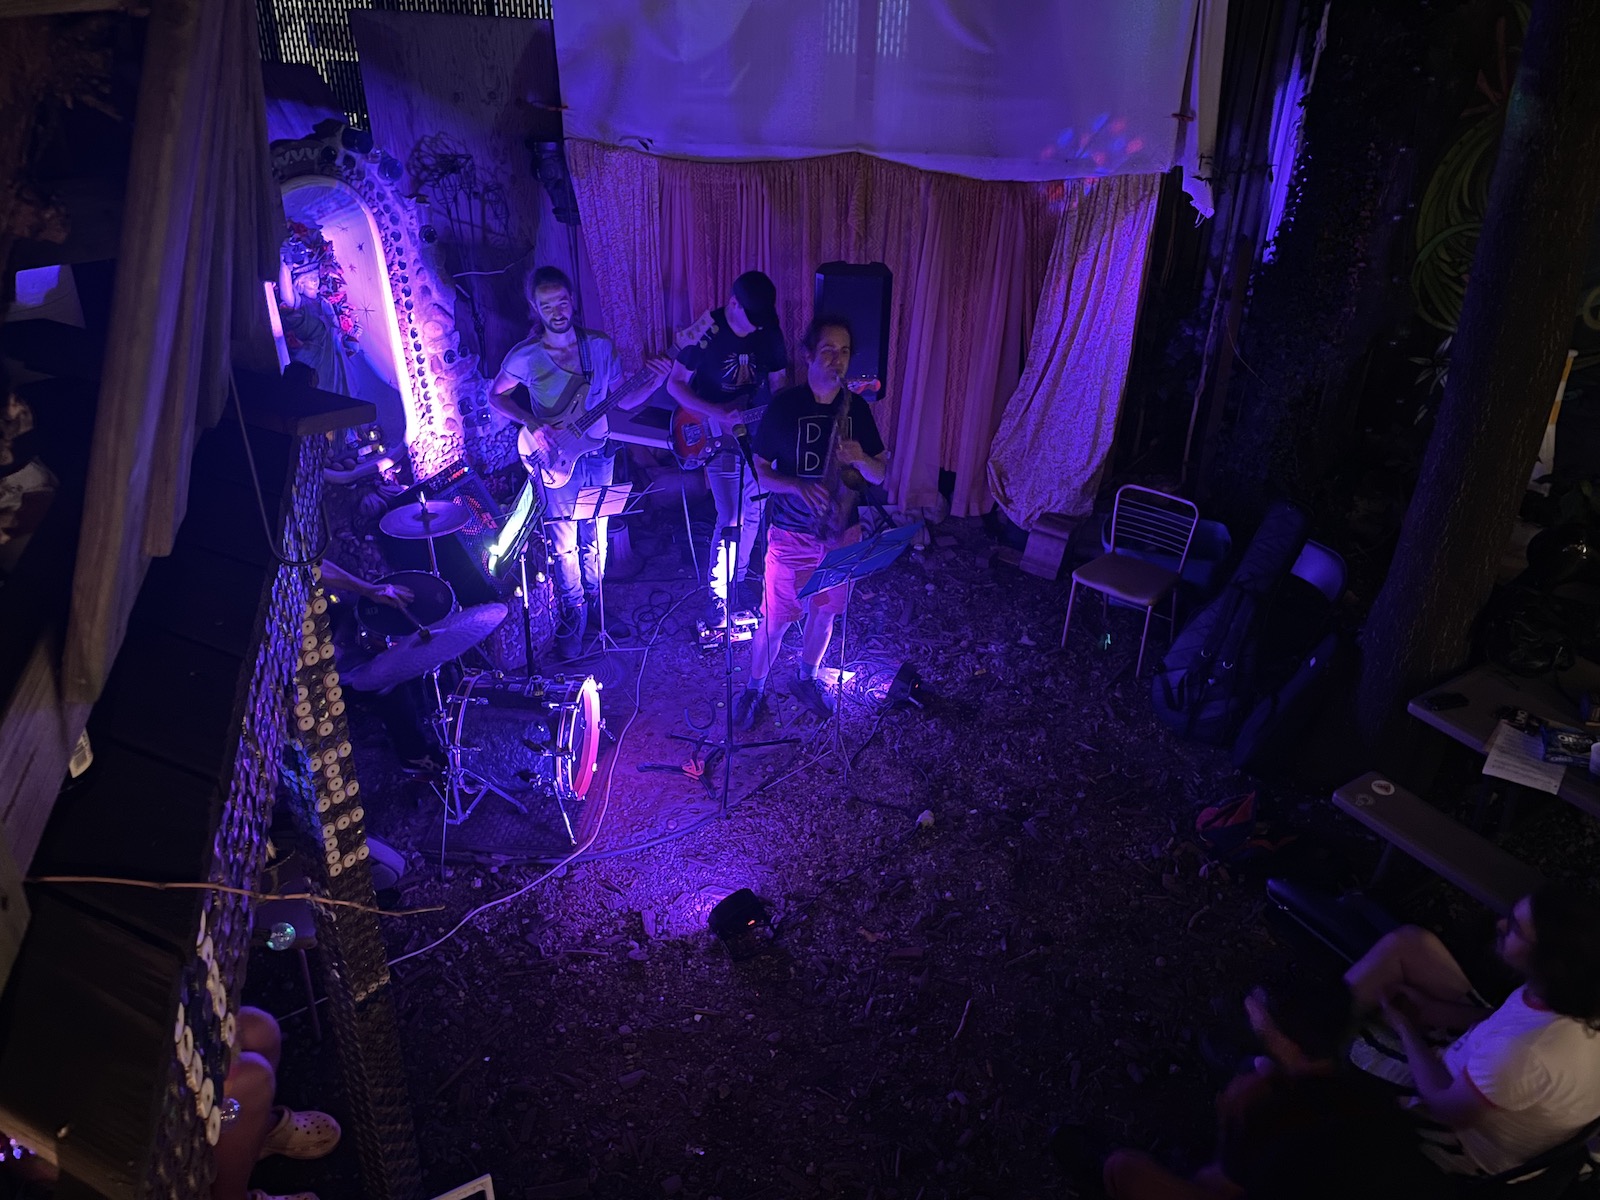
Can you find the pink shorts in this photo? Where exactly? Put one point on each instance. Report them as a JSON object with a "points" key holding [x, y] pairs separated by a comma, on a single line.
{"points": [[791, 558]]}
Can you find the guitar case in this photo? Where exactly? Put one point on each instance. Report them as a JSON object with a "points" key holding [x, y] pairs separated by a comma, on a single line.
{"points": [[1267, 737], [1207, 681]]}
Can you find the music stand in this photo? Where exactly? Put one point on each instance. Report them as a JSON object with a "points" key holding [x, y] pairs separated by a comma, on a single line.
{"points": [[845, 565], [593, 502]]}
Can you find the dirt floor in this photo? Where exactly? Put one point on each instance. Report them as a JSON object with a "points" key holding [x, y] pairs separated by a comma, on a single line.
{"points": [[989, 916]]}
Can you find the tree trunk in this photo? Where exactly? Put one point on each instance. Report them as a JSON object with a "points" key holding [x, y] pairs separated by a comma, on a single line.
{"points": [[1506, 359]]}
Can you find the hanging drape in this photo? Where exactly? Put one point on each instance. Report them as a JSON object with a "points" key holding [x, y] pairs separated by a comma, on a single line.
{"points": [[1052, 445], [990, 89], [968, 258], [201, 224]]}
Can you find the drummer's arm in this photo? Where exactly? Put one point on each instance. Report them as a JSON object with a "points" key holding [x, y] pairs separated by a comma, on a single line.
{"points": [[336, 578]]}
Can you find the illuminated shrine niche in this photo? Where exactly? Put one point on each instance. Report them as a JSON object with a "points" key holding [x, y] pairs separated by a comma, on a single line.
{"points": [[399, 294]]}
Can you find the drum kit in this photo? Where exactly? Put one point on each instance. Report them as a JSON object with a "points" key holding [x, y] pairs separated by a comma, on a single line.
{"points": [[515, 737]]}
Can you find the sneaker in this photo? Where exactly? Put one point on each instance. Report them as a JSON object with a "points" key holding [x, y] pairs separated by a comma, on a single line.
{"points": [[814, 695], [751, 593], [716, 613], [749, 709]]}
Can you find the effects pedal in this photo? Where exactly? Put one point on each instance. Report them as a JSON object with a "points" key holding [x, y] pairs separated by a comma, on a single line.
{"points": [[744, 628]]}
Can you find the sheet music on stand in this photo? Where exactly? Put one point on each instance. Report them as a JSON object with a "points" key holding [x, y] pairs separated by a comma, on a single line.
{"points": [[595, 500], [602, 500], [846, 564]]}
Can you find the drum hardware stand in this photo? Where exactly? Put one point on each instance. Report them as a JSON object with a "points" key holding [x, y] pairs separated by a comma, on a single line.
{"points": [[459, 780]]}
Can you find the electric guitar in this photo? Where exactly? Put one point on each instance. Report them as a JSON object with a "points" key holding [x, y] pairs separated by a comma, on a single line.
{"points": [[569, 426], [697, 440]]}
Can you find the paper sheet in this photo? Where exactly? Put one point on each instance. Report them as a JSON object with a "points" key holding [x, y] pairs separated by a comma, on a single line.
{"points": [[1519, 757]]}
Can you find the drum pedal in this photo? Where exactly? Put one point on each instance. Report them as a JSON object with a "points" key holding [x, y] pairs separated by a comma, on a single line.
{"points": [[744, 628]]}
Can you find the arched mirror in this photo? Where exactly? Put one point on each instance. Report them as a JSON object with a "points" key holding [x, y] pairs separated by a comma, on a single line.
{"points": [[333, 302], [369, 305]]}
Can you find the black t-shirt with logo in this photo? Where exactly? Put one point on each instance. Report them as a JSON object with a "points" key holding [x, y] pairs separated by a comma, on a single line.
{"points": [[728, 368], [794, 435]]}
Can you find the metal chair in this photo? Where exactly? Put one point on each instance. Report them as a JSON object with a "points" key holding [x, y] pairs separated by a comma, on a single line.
{"points": [[1150, 536]]}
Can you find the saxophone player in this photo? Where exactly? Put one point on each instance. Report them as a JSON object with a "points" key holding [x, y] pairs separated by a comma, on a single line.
{"points": [[814, 447]]}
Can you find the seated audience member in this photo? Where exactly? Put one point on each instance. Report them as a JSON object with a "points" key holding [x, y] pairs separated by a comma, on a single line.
{"points": [[26, 484], [1303, 1026], [258, 1127], [1306, 1135], [1522, 1078]]}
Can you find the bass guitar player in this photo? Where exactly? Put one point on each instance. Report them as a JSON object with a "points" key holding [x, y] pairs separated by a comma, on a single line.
{"points": [[556, 364]]}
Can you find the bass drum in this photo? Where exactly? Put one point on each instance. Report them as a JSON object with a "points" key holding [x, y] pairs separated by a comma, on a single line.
{"points": [[523, 734], [433, 602]]}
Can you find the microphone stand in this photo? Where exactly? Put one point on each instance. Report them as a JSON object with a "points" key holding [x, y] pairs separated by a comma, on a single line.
{"points": [[730, 536]]}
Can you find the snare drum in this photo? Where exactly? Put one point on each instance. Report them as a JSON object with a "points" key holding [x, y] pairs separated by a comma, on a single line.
{"points": [[523, 734], [433, 603]]}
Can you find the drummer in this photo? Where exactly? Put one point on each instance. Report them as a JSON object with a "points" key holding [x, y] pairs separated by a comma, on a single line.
{"points": [[403, 709]]}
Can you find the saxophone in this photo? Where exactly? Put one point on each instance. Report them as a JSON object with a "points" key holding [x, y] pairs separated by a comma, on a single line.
{"points": [[843, 481]]}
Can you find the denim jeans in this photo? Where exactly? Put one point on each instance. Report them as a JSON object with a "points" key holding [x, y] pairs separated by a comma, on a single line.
{"points": [[722, 477], [577, 548]]}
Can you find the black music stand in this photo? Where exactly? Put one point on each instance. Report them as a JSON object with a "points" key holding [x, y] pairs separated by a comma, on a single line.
{"points": [[845, 565], [593, 502]]}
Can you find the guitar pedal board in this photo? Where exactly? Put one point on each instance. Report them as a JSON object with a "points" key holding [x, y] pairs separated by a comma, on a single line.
{"points": [[711, 637]]}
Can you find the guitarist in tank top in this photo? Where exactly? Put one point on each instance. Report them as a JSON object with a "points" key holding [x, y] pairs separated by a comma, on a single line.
{"points": [[549, 364]]}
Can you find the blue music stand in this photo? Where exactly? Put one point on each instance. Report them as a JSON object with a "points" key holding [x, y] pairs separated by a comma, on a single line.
{"points": [[845, 565]]}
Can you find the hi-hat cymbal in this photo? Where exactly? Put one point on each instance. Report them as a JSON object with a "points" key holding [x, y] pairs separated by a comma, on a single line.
{"points": [[424, 519], [418, 653]]}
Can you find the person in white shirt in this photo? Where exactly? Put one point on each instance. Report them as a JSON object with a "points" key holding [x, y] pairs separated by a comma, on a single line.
{"points": [[1520, 1079]]}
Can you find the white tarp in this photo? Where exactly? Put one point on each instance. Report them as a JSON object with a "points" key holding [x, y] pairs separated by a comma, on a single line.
{"points": [[994, 89]]}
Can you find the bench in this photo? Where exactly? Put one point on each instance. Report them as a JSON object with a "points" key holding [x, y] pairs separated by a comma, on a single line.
{"points": [[1445, 846]]}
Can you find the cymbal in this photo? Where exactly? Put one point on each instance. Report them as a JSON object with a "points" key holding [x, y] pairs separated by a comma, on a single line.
{"points": [[424, 519], [418, 653]]}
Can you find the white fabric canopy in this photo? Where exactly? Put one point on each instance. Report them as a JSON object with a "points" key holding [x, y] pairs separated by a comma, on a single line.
{"points": [[993, 89]]}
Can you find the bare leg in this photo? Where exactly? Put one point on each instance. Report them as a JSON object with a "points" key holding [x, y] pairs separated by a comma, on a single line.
{"points": [[259, 1034], [817, 634], [1409, 957], [765, 646], [251, 1083]]}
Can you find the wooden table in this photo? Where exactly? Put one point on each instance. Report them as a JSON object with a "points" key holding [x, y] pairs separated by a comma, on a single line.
{"points": [[1490, 688]]}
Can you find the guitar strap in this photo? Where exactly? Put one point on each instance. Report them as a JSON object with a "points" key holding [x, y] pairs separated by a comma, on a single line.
{"points": [[568, 394]]}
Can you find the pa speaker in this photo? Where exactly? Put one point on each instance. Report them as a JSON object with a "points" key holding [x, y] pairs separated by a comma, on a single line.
{"points": [[860, 293]]}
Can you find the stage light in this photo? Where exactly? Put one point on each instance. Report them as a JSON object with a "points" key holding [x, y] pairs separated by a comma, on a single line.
{"points": [[737, 916], [906, 687]]}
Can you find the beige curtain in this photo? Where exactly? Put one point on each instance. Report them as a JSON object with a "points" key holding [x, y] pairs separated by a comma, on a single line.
{"points": [[200, 227], [967, 258], [1058, 427], [624, 251]]}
